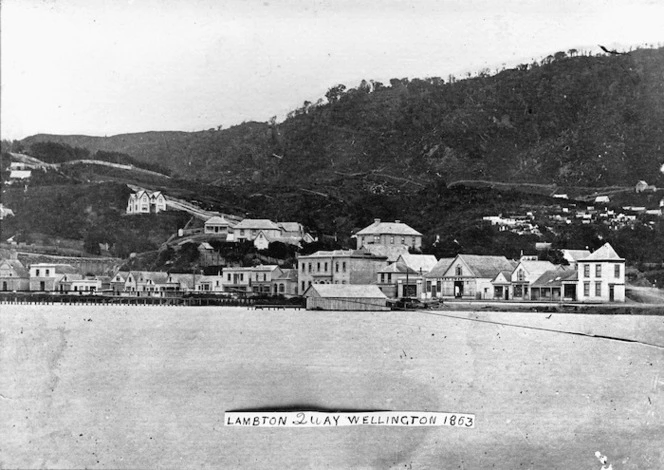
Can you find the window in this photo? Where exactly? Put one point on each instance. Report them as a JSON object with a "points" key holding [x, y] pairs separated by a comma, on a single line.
{"points": [[48, 272], [391, 240], [376, 238], [598, 289], [389, 278], [37, 272], [336, 267], [586, 289], [598, 270], [403, 240], [459, 271], [325, 267], [428, 286], [318, 267], [229, 277], [302, 286], [382, 278], [282, 288], [343, 266], [242, 232], [309, 267], [302, 268], [616, 271], [586, 270], [520, 275]]}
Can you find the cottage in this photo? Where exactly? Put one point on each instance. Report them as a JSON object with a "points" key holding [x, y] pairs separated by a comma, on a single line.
{"points": [[13, 276], [389, 233], [148, 284], [573, 256], [339, 267], [501, 285], [555, 285], [219, 225], [525, 274], [346, 297], [146, 202], [470, 276]]}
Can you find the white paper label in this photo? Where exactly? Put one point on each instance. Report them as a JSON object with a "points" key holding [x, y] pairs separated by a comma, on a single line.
{"points": [[323, 419]]}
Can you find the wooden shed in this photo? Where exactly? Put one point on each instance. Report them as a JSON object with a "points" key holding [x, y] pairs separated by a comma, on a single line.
{"points": [[345, 297]]}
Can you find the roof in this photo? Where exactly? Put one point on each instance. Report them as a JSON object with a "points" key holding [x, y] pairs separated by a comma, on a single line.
{"points": [[17, 266], [398, 267], [604, 253], [260, 267], [257, 224], [185, 279], [486, 266], [419, 262], [391, 252], [439, 269], [205, 246], [505, 275], [535, 267], [555, 277], [365, 291], [388, 228], [20, 174], [344, 254], [575, 255], [286, 240], [288, 274], [291, 226], [217, 220], [158, 277]]}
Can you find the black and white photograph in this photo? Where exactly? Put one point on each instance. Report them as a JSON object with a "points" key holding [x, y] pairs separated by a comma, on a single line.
{"points": [[332, 234]]}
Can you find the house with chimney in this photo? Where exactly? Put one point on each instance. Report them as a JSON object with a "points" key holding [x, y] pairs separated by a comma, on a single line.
{"points": [[339, 267], [389, 234], [146, 202]]}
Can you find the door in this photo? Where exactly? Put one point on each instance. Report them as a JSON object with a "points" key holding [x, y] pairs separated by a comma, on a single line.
{"points": [[42, 285], [458, 288], [611, 294], [4, 285]]}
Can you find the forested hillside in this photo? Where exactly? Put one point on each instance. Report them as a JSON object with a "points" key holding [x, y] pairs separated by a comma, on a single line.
{"points": [[570, 119]]}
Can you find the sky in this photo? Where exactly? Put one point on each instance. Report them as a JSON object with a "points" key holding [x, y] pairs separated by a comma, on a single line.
{"points": [[102, 67]]}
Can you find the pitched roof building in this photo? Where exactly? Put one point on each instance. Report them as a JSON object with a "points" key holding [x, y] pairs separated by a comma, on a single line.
{"points": [[344, 297], [389, 233]]}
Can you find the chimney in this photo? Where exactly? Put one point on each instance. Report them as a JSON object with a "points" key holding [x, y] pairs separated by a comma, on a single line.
{"points": [[397, 221], [376, 221]]}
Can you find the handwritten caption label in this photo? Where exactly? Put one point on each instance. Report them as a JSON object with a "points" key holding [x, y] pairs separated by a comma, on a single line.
{"points": [[322, 419]]}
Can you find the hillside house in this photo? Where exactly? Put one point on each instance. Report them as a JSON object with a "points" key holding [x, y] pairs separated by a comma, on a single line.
{"points": [[345, 297], [146, 202], [525, 274], [470, 276], [19, 175], [389, 233], [434, 278], [339, 267], [248, 229], [219, 225], [5, 212], [13, 276], [602, 200]]}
